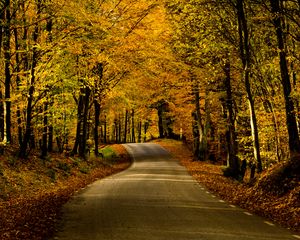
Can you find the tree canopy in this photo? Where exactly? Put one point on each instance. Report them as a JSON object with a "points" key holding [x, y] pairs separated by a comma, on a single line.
{"points": [[221, 75]]}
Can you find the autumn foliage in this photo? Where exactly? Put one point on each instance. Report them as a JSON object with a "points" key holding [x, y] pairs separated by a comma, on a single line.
{"points": [[32, 194], [223, 76], [274, 195]]}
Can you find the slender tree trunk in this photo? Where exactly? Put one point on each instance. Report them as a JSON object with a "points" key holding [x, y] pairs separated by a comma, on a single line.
{"points": [[18, 82], [1, 27], [246, 56], [201, 153], [45, 131], [129, 127], [1, 96], [116, 130], [7, 59], [97, 123], [120, 129], [294, 142], [2, 123], [132, 127], [97, 106], [146, 126], [79, 123], [196, 136], [276, 131], [29, 109], [160, 111], [49, 146], [231, 138], [50, 138], [83, 142], [125, 126], [297, 105], [140, 132], [105, 130], [208, 132]]}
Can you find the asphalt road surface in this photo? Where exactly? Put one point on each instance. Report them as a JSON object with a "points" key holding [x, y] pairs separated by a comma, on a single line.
{"points": [[156, 199]]}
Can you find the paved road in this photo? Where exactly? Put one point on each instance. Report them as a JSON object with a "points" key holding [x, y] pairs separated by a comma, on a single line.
{"points": [[156, 199]]}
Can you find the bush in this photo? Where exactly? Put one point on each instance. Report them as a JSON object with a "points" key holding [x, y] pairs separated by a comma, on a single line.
{"points": [[84, 170], [65, 167], [12, 161], [52, 174]]}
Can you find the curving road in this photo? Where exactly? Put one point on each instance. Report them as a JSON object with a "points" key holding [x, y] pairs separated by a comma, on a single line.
{"points": [[156, 199]]}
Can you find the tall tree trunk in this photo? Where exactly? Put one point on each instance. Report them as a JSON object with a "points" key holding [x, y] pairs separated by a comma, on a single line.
{"points": [[97, 123], [7, 59], [2, 131], [97, 97], [196, 136], [231, 138], [120, 129], [146, 126], [105, 130], [83, 142], [45, 131], [18, 82], [276, 131], [201, 152], [29, 109], [246, 60], [132, 126], [140, 132], [294, 143], [125, 126], [116, 130], [1, 96], [79, 123], [49, 146], [50, 138], [208, 129], [129, 127], [160, 111]]}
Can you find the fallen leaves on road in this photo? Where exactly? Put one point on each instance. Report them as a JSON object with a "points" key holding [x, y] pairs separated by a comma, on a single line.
{"points": [[255, 197]]}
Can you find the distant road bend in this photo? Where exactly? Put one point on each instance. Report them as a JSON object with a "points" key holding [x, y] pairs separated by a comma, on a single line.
{"points": [[156, 199]]}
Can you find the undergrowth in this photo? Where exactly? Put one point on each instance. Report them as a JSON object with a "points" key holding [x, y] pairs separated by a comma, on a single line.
{"points": [[32, 192]]}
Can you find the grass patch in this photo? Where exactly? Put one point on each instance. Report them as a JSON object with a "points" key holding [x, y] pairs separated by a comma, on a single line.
{"points": [[109, 153]]}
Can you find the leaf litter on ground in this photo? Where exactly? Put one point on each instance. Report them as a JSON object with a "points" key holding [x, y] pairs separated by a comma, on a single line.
{"points": [[264, 196], [32, 193]]}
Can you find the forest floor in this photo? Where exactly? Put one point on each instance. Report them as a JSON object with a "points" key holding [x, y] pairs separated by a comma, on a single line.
{"points": [[32, 192], [275, 194]]}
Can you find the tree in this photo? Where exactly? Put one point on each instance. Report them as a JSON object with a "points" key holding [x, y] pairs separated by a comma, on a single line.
{"points": [[294, 143], [246, 61], [30, 99], [7, 62]]}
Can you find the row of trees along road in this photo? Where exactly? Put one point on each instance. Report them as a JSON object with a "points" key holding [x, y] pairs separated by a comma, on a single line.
{"points": [[221, 74], [246, 56], [60, 60]]}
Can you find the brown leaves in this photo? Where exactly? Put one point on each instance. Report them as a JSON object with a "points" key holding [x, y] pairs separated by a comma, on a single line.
{"points": [[33, 211], [260, 198]]}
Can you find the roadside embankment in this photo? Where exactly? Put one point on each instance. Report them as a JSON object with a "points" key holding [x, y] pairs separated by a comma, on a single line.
{"points": [[33, 192], [271, 195]]}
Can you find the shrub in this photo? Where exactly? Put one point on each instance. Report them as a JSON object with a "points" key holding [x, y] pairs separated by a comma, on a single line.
{"points": [[52, 174], [64, 166]]}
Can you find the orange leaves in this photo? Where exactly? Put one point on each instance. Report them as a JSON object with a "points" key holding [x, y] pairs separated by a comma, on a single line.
{"points": [[283, 209], [33, 209]]}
